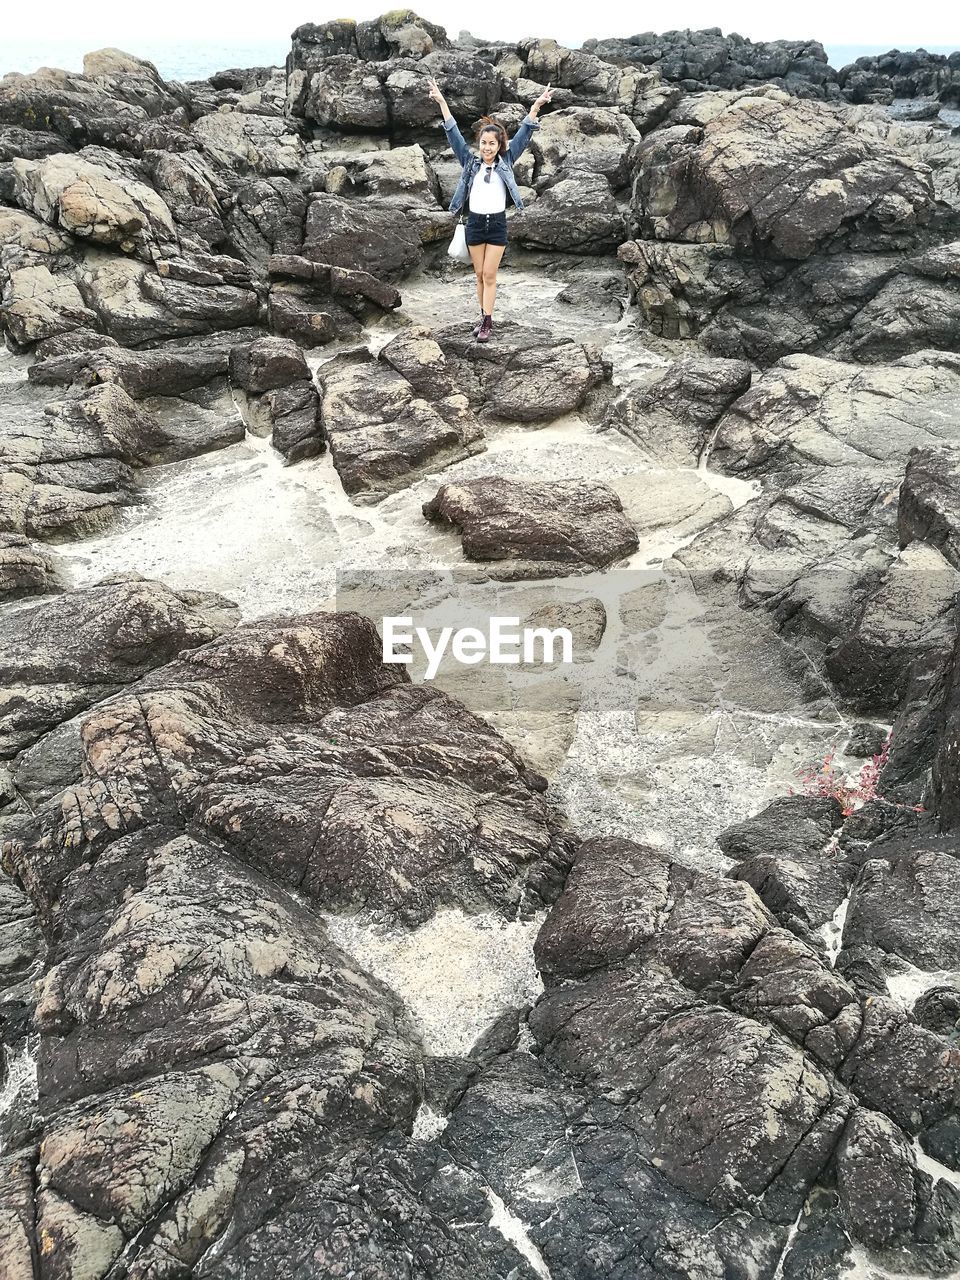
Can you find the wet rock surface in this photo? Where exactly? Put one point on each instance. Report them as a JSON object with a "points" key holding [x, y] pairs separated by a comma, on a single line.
{"points": [[634, 967]]}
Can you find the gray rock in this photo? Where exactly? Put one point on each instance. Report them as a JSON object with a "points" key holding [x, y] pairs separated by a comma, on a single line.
{"points": [[360, 237], [670, 416], [535, 530], [929, 503], [69, 651], [777, 173], [524, 374], [576, 214]]}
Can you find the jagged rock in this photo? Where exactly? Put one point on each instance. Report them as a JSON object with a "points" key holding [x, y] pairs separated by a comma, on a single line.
{"points": [[708, 59], [778, 174], [360, 237], [67, 652], [795, 827], [192, 191], [525, 375], [280, 396], [20, 948], [27, 241], [384, 429], [807, 411], [266, 217], [169, 369], [136, 304], [905, 903], [65, 471], [76, 108], [317, 689], [576, 214], [262, 145], [316, 302], [889, 76], [536, 530], [401, 177], [25, 570], [38, 304], [88, 201], [297, 313], [876, 1174], [339, 282], [587, 140], [929, 504], [670, 415]]}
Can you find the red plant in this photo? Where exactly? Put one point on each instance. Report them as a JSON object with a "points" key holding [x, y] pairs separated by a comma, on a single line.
{"points": [[827, 781]]}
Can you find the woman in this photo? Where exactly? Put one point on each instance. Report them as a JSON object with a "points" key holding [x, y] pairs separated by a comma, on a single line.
{"points": [[485, 183]]}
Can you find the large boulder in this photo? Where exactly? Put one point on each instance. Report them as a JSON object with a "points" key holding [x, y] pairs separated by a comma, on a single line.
{"points": [[250, 144], [808, 411], [360, 237], [371, 791], [38, 304], [670, 415], [535, 530], [775, 174], [67, 652], [575, 214], [93, 203], [271, 378], [266, 217], [524, 375], [386, 428], [135, 303]]}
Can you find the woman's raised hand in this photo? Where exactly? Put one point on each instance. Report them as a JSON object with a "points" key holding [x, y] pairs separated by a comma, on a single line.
{"points": [[434, 90], [544, 98]]}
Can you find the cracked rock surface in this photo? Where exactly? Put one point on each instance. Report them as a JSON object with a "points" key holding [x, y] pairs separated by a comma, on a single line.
{"points": [[318, 959]]}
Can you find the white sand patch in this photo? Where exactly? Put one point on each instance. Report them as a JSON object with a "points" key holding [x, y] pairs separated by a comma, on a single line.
{"points": [[832, 932], [428, 1124], [512, 1229], [456, 974], [19, 1093]]}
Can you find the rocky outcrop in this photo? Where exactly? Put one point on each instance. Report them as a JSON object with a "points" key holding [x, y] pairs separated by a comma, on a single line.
{"points": [[535, 530], [386, 427], [279, 397], [63, 654], [317, 302], [825, 233], [702, 60], [888, 77], [670, 415], [524, 376], [360, 237]]}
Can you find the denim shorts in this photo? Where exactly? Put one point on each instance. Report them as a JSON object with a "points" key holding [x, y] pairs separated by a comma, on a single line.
{"points": [[486, 228]]}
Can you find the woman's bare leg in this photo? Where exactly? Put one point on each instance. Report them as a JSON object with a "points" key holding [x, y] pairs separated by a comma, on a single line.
{"points": [[491, 261], [476, 257]]}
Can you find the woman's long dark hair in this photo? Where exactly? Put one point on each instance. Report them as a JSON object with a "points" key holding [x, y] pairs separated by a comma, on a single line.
{"points": [[490, 126]]}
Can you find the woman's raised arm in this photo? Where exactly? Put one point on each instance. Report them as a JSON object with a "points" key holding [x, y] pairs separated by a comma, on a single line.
{"points": [[454, 136]]}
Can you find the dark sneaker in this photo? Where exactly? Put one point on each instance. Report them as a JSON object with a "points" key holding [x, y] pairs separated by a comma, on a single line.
{"points": [[477, 327], [486, 329]]}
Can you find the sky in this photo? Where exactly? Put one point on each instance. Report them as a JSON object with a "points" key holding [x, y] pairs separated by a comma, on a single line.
{"points": [[231, 22]]}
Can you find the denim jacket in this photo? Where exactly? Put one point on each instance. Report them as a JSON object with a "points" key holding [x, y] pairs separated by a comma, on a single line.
{"points": [[504, 165]]}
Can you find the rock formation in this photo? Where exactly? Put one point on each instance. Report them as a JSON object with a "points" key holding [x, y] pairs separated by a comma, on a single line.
{"points": [[315, 961]]}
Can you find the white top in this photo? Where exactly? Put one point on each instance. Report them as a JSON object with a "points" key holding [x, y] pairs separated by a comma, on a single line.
{"points": [[488, 197]]}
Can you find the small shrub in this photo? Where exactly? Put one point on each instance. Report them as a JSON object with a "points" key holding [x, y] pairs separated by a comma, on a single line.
{"points": [[826, 780]]}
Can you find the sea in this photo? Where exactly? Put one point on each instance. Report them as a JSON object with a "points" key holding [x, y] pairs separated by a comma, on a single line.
{"points": [[195, 61]]}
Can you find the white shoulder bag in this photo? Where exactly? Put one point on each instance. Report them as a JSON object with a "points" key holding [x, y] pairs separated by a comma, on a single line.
{"points": [[458, 245]]}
